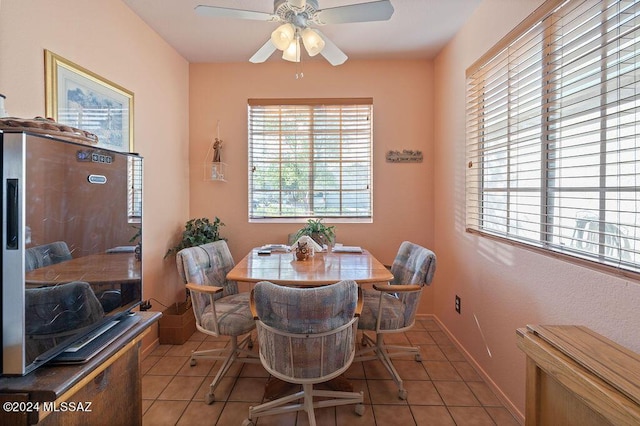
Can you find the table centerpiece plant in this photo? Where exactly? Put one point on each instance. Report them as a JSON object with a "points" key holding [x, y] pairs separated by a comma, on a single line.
{"points": [[318, 231]]}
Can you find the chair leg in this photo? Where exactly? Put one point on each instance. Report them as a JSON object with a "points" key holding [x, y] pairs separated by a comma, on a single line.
{"points": [[228, 355], [304, 401], [386, 361], [220, 354], [225, 366], [384, 353], [308, 403], [398, 351]]}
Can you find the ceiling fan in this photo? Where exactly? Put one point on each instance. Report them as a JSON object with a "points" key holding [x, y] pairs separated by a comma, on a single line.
{"points": [[297, 18]]}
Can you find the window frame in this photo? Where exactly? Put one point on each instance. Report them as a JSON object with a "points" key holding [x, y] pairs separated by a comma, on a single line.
{"points": [[134, 189], [358, 156], [475, 181]]}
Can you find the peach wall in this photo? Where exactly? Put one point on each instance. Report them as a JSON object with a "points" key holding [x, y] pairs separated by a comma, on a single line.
{"points": [[504, 287], [403, 193], [107, 38]]}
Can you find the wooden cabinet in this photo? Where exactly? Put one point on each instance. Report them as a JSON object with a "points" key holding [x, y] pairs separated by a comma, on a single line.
{"points": [[105, 390], [578, 377]]}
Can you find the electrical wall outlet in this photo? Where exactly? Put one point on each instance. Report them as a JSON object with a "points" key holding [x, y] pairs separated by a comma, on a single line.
{"points": [[457, 305]]}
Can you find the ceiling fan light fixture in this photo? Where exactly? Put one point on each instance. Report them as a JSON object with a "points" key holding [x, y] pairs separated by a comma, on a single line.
{"points": [[298, 4], [295, 17], [292, 53], [283, 36], [312, 41]]}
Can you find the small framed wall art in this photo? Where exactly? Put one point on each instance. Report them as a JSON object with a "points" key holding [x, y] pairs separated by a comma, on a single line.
{"points": [[79, 98]]}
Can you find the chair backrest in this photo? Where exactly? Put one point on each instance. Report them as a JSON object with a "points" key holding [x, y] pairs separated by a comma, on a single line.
{"points": [[61, 308], [52, 313], [207, 264], [413, 264], [306, 333], [45, 255]]}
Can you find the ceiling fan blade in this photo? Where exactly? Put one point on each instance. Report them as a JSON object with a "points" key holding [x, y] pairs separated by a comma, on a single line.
{"points": [[363, 12], [223, 12], [263, 53], [331, 52]]}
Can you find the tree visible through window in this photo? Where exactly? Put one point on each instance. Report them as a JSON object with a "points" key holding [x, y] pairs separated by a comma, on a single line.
{"points": [[310, 158], [553, 132]]}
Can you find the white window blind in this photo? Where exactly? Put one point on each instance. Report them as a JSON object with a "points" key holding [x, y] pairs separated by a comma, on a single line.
{"points": [[310, 158], [553, 130], [134, 179]]}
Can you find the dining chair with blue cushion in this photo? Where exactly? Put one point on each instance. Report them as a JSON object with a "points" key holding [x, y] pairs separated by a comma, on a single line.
{"points": [[220, 310], [391, 307], [306, 336]]}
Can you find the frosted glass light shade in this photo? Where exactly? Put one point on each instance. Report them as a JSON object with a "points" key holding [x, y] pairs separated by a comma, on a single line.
{"points": [[283, 36], [293, 51], [312, 41]]}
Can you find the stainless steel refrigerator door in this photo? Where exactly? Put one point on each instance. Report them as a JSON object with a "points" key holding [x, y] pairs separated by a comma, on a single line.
{"points": [[13, 211]]}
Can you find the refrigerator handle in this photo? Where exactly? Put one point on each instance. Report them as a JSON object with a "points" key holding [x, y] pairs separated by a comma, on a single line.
{"points": [[12, 214]]}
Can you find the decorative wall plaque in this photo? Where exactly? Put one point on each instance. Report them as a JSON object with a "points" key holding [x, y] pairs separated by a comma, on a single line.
{"points": [[404, 156]]}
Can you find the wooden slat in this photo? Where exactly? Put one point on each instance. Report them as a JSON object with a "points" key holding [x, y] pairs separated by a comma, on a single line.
{"points": [[585, 394], [608, 360], [537, 15]]}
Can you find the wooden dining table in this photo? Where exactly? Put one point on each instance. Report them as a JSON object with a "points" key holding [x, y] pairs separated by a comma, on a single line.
{"points": [[321, 269], [100, 268]]}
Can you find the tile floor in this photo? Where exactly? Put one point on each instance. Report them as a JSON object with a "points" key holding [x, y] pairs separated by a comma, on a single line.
{"points": [[444, 389]]}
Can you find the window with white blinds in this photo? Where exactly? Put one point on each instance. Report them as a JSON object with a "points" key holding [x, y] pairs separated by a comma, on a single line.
{"points": [[310, 158], [134, 194], [553, 125]]}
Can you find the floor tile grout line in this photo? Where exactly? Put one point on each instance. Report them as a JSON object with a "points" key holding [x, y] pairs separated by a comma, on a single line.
{"points": [[440, 343]]}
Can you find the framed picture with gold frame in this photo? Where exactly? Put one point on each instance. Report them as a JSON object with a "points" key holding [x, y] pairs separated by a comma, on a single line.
{"points": [[79, 98]]}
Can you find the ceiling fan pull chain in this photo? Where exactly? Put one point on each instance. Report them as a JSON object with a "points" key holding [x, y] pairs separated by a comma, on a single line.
{"points": [[299, 72]]}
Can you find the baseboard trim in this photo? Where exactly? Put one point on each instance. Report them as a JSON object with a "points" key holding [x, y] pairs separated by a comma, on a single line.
{"points": [[519, 416], [147, 350]]}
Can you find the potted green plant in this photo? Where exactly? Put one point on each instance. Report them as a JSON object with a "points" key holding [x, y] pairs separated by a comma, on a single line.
{"points": [[197, 232], [321, 233]]}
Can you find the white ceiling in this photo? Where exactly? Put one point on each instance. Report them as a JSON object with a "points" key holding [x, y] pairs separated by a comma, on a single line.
{"points": [[417, 29]]}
